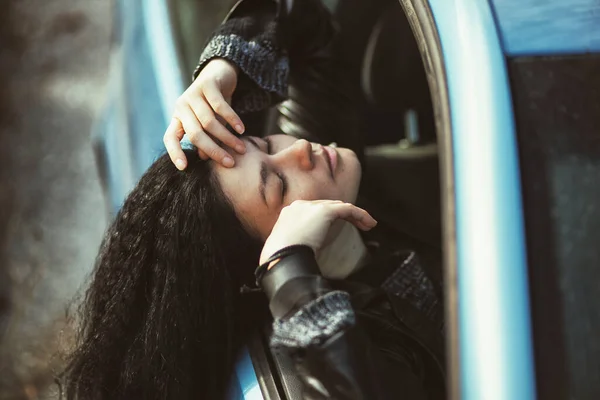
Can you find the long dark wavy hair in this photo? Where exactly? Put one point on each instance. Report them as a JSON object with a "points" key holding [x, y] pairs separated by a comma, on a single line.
{"points": [[163, 317]]}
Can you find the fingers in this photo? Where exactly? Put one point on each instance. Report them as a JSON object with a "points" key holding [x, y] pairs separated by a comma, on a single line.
{"points": [[355, 215], [172, 141], [222, 108], [202, 140], [336, 209], [203, 155], [203, 112], [204, 127], [211, 125]]}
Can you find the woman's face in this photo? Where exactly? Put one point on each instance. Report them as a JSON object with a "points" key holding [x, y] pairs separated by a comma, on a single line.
{"points": [[279, 169]]}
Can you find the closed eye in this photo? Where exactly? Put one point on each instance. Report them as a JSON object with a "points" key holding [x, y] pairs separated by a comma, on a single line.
{"points": [[269, 145], [284, 186], [284, 183]]}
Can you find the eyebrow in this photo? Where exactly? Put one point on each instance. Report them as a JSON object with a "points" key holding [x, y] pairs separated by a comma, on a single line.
{"points": [[264, 173]]}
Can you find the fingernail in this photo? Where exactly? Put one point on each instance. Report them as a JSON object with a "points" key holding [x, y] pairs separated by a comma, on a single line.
{"points": [[228, 161], [240, 148], [370, 221], [239, 128], [180, 164]]}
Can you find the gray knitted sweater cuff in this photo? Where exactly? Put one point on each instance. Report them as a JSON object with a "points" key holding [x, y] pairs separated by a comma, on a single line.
{"points": [[315, 323], [263, 65]]}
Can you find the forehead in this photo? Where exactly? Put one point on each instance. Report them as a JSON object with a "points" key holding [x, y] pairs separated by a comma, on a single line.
{"points": [[241, 186]]}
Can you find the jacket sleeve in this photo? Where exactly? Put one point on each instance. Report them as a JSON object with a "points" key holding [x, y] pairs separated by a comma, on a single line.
{"points": [[317, 327], [288, 56], [266, 43]]}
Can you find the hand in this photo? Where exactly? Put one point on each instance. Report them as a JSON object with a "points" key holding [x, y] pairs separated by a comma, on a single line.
{"points": [[308, 222], [201, 112]]}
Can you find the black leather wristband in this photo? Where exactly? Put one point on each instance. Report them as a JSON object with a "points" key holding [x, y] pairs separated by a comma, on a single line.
{"points": [[280, 254], [293, 282], [294, 261]]}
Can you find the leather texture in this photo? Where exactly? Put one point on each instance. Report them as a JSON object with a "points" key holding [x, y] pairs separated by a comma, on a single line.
{"points": [[393, 352], [293, 282]]}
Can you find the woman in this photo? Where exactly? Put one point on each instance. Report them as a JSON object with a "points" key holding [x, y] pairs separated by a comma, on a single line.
{"points": [[171, 301]]}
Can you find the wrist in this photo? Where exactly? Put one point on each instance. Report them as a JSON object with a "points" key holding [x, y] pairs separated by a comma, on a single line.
{"points": [[268, 258], [219, 68], [227, 64], [291, 262], [294, 281]]}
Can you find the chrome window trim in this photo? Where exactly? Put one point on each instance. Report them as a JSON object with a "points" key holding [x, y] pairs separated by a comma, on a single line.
{"points": [[495, 345]]}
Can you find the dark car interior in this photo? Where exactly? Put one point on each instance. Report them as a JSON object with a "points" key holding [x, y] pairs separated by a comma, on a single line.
{"points": [[401, 181]]}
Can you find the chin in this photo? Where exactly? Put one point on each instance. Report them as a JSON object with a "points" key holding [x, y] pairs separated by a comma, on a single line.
{"points": [[350, 162], [348, 155], [352, 173]]}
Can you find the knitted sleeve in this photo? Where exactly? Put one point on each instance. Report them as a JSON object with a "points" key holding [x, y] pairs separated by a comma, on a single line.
{"points": [[315, 322], [265, 46]]}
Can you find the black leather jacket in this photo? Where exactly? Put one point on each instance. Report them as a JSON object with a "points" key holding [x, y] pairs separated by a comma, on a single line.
{"points": [[392, 351]]}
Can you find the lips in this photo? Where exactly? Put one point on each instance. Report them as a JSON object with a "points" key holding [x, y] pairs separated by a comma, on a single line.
{"points": [[331, 157]]}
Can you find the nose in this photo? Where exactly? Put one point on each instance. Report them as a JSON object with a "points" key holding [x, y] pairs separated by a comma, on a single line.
{"points": [[298, 154]]}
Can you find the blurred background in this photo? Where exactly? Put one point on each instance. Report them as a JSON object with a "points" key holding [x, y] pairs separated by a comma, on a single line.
{"points": [[56, 60], [54, 63]]}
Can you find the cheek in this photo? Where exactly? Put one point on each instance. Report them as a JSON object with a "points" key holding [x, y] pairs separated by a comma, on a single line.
{"points": [[351, 180], [312, 189], [266, 224], [309, 188], [345, 187]]}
